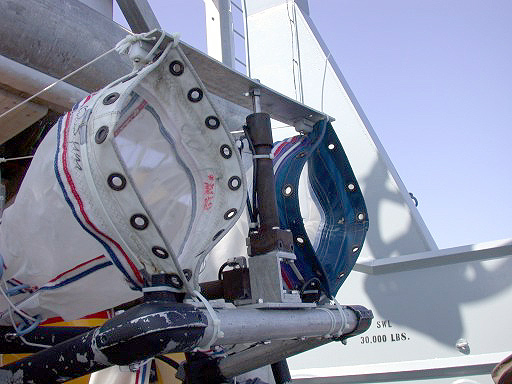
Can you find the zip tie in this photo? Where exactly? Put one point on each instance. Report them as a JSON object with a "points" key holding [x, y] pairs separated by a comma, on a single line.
{"points": [[333, 322], [343, 317], [269, 156], [217, 333]]}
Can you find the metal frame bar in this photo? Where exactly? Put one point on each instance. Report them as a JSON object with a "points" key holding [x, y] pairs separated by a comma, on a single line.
{"points": [[464, 254]]}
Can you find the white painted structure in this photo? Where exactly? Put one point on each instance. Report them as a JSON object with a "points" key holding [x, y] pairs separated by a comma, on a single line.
{"points": [[440, 315]]}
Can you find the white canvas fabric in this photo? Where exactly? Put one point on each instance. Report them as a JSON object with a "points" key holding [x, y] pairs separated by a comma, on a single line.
{"points": [[140, 178]]}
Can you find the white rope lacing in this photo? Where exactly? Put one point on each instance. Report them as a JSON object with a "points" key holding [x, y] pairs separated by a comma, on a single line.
{"points": [[217, 333]]}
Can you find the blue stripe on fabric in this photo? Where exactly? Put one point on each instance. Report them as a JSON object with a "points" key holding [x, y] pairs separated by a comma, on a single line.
{"points": [[77, 277], [68, 200]]}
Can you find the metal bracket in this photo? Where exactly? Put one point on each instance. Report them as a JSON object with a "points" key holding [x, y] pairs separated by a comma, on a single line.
{"points": [[266, 279]]}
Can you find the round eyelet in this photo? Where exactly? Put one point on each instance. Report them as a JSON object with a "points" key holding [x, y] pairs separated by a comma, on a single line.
{"points": [[216, 236], [195, 95], [101, 134], [116, 181], [188, 274], [176, 68], [287, 190], [230, 213], [139, 221], [300, 240], [351, 187], [111, 98], [234, 183], [175, 281], [160, 252], [212, 122], [331, 146], [226, 151]]}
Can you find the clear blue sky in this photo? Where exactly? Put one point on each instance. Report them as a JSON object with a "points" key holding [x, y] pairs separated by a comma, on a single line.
{"points": [[434, 79]]}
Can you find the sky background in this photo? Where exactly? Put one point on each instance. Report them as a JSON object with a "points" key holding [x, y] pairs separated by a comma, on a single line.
{"points": [[434, 79]]}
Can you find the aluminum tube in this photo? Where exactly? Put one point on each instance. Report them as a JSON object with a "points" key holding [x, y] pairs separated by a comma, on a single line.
{"points": [[60, 98], [265, 354], [57, 37], [254, 325]]}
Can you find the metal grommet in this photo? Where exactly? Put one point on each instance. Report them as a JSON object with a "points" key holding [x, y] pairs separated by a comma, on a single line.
{"points": [[355, 249], [212, 122], [234, 183], [331, 146], [195, 95], [188, 274], [230, 213], [101, 134], [351, 187], [300, 240], [160, 252], [139, 221], [360, 216], [111, 98], [226, 151], [175, 281], [287, 190], [176, 68], [216, 236], [116, 181]]}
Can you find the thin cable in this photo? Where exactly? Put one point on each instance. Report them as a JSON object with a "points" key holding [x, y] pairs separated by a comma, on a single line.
{"points": [[56, 82], [323, 82], [13, 306], [3, 159]]}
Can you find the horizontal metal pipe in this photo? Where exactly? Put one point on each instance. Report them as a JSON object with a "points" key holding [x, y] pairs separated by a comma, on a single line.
{"points": [[265, 354], [60, 97], [159, 327], [56, 37], [255, 325]]}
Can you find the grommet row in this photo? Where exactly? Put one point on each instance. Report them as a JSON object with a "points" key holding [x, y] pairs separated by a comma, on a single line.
{"points": [[226, 151], [176, 68], [216, 236], [116, 181], [230, 213], [160, 252], [195, 95], [110, 98], [139, 221], [175, 281], [287, 190], [234, 183], [101, 134], [212, 122]]}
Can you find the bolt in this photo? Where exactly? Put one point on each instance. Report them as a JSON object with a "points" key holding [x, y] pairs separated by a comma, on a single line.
{"points": [[463, 346]]}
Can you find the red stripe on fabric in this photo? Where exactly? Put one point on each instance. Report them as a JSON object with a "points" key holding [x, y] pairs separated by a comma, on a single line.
{"points": [[80, 203], [279, 148], [76, 267], [132, 116], [137, 376]]}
